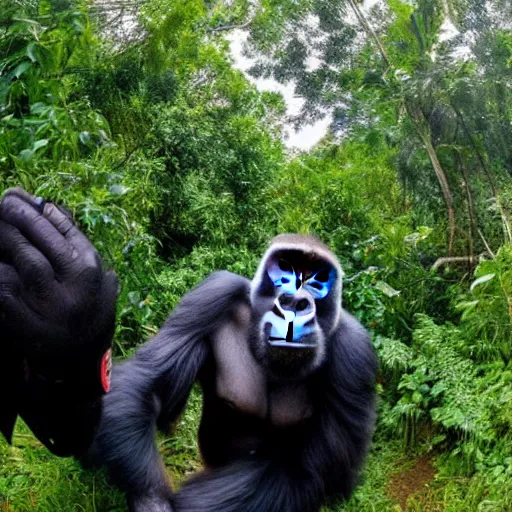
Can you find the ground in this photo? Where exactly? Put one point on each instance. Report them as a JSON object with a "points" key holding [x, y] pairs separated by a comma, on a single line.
{"points": [[411, 482], [31, 479], [395, 479]]}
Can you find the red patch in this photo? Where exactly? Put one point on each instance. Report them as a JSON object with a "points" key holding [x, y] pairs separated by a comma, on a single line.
{"points": [[106, 370]]}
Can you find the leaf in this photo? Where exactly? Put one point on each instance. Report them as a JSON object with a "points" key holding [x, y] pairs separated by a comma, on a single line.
{"points": [[417, 397], [22, 68], [30, 52], [38, 108], [386, 289], [438, 439], [134, 298], [118, 189], [482, 280], [78, 26], [422, 234], [40, 144], [10, 120], [467, 305], [26, 155], [85, 138]]}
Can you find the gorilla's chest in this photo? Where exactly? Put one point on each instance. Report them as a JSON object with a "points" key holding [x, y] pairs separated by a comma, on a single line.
{"points": [[242, 382]]}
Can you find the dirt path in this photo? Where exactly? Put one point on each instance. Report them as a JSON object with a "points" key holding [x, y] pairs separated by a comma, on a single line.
{"points": [[411, 481]]}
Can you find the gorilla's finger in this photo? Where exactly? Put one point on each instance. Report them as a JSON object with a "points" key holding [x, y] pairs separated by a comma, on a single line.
{"points": [[19, 320], [22, 194], [63, 222], [9, 283], [21, 214], [31, 265], [9, 291], [5, 255]]}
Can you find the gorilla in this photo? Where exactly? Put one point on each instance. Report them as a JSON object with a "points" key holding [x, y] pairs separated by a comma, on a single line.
{"points": [[288, 383], [287, 376]]}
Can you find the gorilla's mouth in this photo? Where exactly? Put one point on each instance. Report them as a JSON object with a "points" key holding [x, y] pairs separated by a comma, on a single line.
{"points": [[290, 341]]}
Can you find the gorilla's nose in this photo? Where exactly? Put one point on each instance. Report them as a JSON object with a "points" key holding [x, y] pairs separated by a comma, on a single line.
{"points": [[300, 303]]}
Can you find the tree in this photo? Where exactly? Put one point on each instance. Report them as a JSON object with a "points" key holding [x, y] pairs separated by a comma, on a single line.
{"points": [[405, 63]]}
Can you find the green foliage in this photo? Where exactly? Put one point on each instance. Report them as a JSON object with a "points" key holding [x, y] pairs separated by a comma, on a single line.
{"points": [[372, 494], [173, 164], [150, 163], [33, 479], [487, 309], [464, 400]]}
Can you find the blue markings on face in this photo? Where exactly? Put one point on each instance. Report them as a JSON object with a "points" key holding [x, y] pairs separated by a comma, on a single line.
{"points": [[288, 325], [320, 284], [283, 276], [287, 280]]}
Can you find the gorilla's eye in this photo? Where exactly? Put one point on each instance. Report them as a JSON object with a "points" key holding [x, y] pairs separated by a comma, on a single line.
{"points": [[285, 266], [285, 280], [322, 276]]}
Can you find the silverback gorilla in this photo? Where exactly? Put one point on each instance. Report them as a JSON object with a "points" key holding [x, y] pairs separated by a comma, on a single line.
{"points": [[288, 381]]}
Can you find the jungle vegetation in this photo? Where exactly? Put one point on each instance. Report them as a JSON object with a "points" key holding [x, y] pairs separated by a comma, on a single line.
{"points": [[134, 116]]}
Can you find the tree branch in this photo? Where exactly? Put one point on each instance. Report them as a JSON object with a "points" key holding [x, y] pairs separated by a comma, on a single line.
{"points": [[472, 260], [489, 250], [256, 7], [233, 27]]}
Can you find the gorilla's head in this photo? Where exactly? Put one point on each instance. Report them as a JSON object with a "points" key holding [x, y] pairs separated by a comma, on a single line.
{"points": [[296, 301]]}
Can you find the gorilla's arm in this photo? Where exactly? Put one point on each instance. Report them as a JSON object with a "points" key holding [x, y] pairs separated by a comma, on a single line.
{"points": [[152, 388], [308, 463]]}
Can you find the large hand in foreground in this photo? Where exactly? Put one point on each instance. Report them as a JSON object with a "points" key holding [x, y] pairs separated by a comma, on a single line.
{"points": [[57, 316], [57, 303]]}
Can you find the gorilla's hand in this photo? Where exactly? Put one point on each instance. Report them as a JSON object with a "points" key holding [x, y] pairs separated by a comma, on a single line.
{"points": [[57, 303]]}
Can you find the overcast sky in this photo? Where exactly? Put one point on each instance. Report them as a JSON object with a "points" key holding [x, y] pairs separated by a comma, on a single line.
{"points": [[303, 139], [309, 135]]}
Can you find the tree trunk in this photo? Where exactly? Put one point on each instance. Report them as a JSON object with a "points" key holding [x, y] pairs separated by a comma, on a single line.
{"points": [[445, 187], [469, 199], [507, 231], [421, 126], [424, 133], [369, 30]]}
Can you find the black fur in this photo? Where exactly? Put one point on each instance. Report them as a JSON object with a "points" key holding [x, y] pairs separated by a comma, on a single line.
{"points": [[293, 469], [253, 466], [152, 387]]}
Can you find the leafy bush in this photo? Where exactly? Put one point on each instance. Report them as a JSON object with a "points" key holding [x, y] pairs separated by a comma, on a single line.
{"points": [[487, 309]]}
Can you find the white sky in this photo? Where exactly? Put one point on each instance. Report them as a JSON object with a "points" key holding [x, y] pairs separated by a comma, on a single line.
{"points": [[309, 135]]}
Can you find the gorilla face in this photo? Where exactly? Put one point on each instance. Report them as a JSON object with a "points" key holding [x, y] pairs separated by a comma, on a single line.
{"points": [[293, 289]]}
